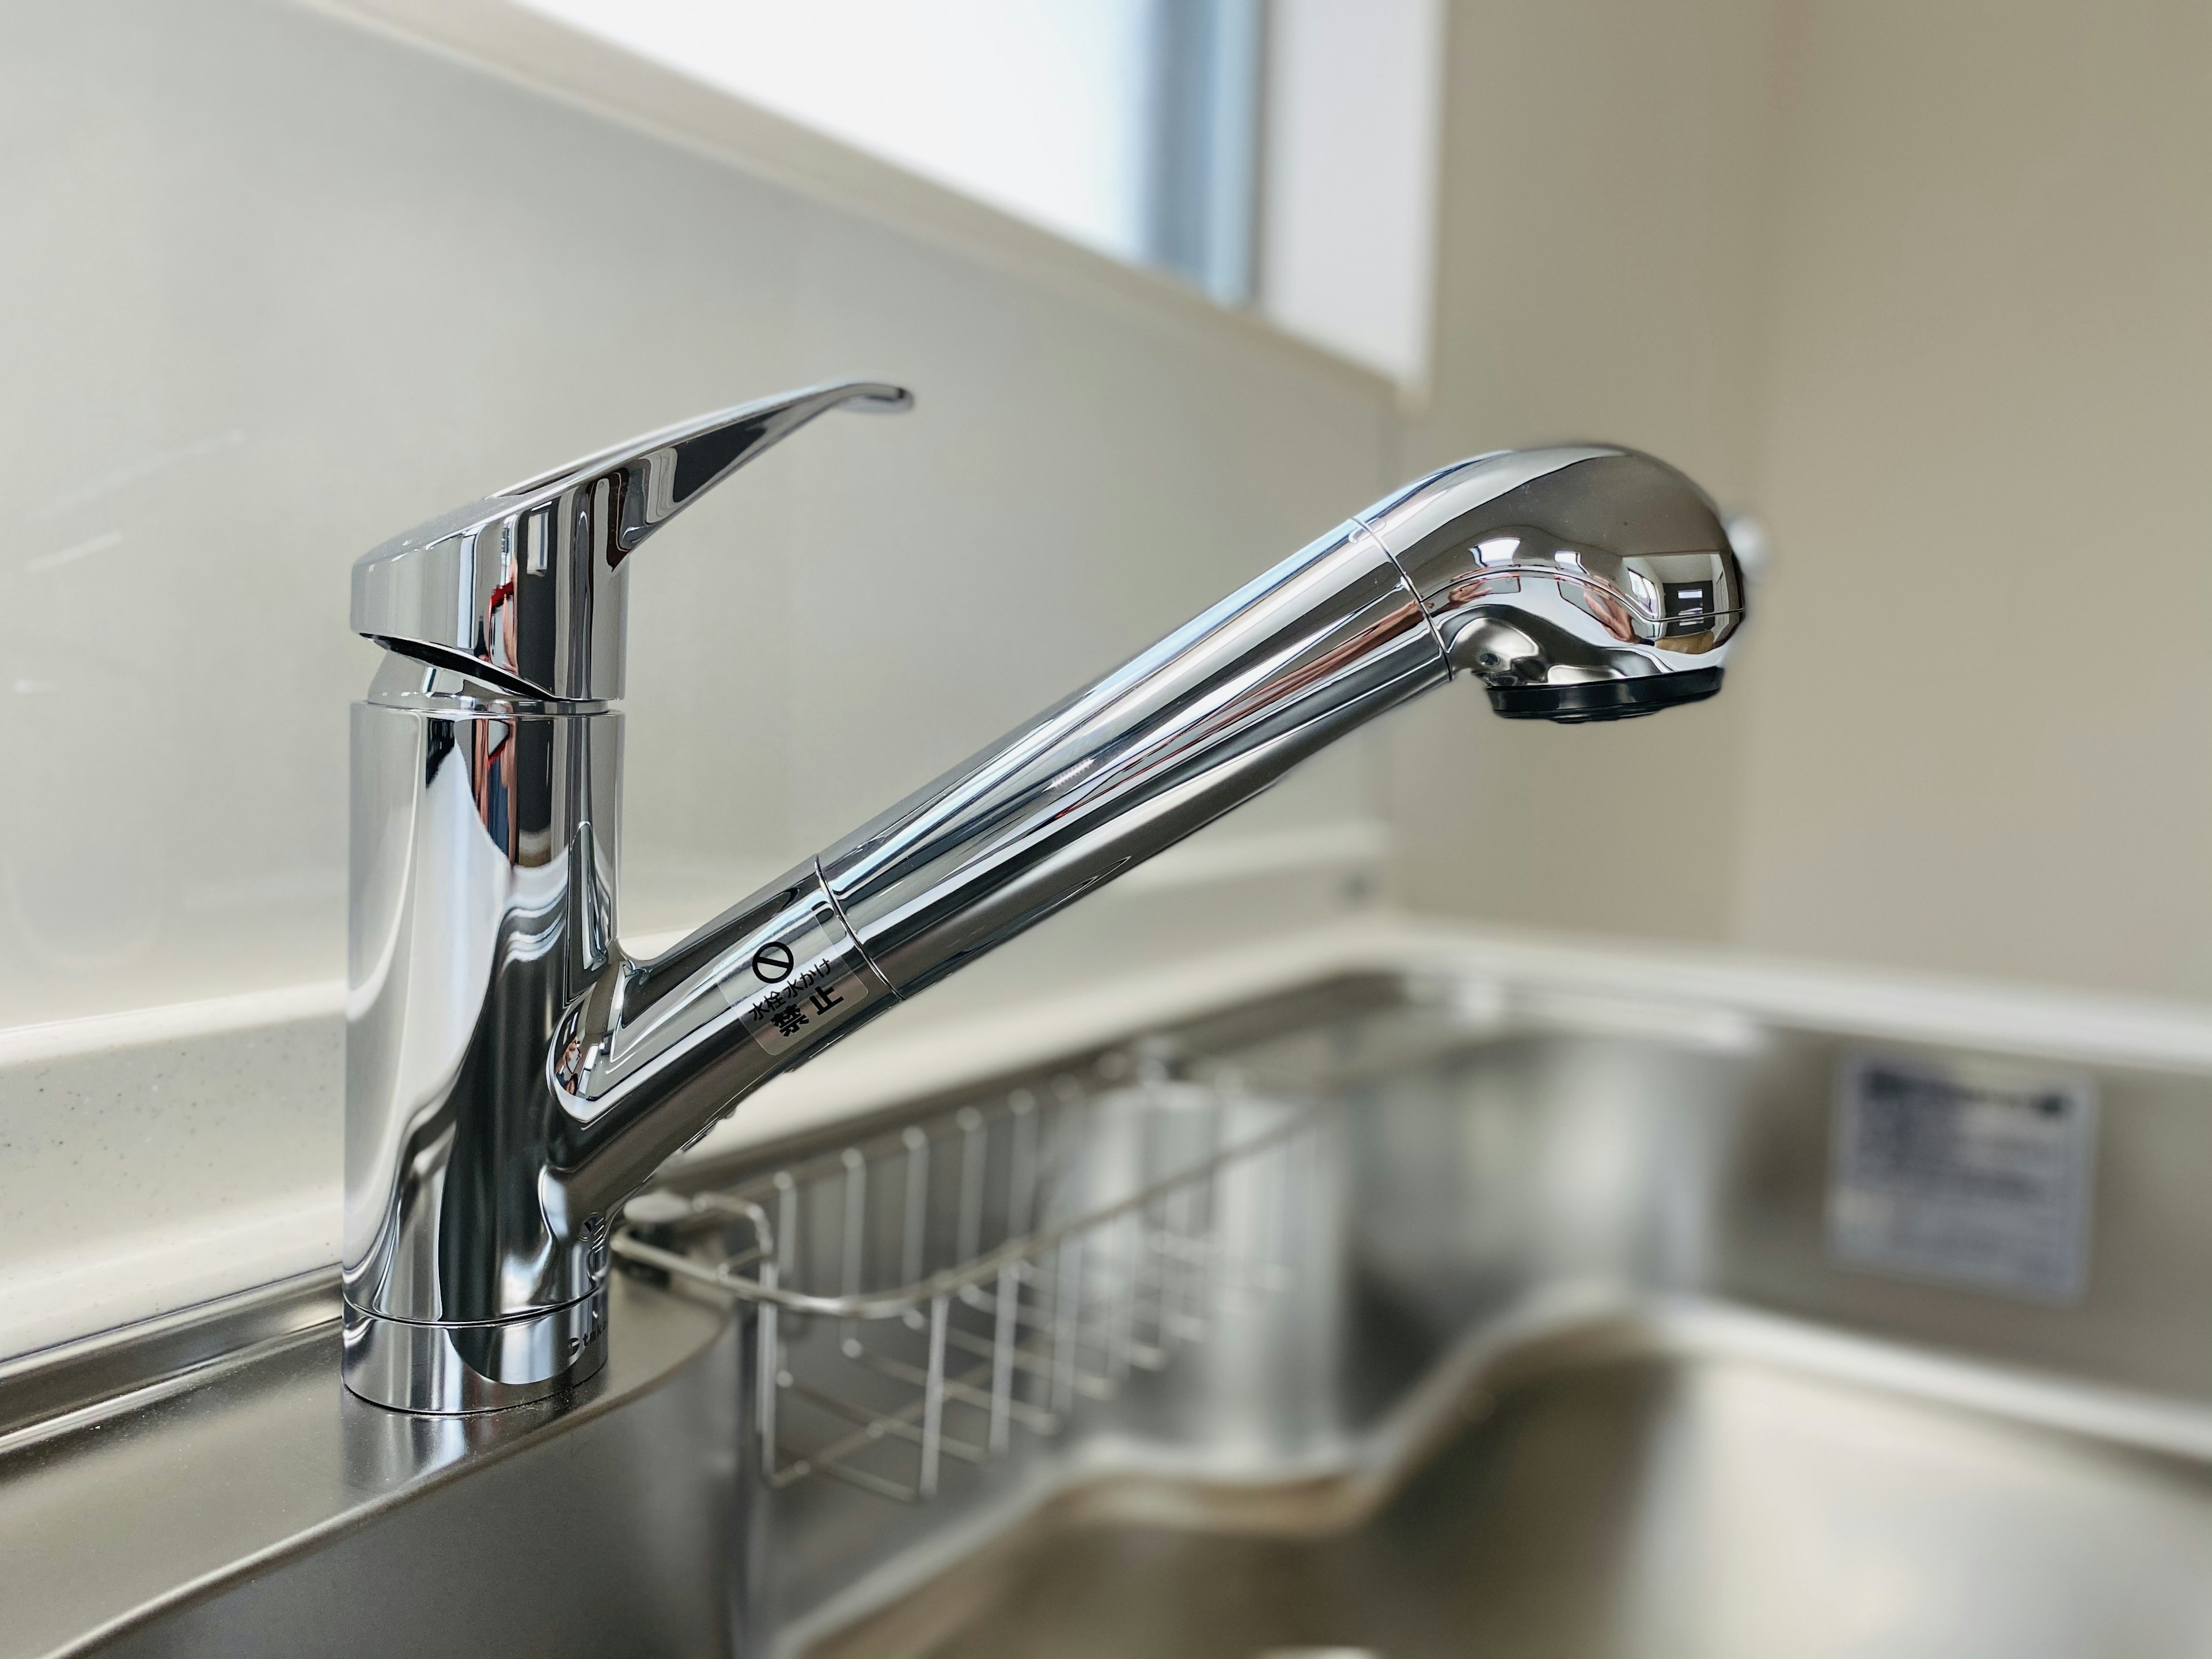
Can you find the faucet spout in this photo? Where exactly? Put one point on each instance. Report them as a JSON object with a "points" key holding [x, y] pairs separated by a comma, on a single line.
{"points": [[1206, 718], [513, 1075]]}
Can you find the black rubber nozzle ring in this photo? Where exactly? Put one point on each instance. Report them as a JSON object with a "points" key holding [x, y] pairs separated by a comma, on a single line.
{"points": [[1604, 700]]}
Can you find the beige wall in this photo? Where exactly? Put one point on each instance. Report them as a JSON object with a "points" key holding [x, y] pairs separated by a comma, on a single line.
{"points": [[292, 286], [1930, 287], [1603, 178], [1926, 285], [1980, 737]]}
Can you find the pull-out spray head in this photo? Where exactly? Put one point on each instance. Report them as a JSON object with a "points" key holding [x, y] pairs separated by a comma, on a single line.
{"points": [[1583, 583]]}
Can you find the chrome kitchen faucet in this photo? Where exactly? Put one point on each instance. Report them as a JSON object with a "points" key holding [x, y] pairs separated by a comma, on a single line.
{"points": [[512, 1075]]}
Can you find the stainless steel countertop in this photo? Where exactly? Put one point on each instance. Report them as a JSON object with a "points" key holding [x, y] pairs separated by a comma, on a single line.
{"points": [[176, 1491]]}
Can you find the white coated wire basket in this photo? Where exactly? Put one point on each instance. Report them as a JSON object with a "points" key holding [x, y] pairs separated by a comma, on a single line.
{"points": [[926, 1291]]}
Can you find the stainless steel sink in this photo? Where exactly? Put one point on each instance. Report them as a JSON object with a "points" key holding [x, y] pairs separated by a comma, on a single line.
{"points": [[206, 1488], [1570, 1368], [1529, 1339], [1641, 1489]]}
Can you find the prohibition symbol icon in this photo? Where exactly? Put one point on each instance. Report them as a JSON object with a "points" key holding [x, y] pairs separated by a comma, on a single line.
{"points": [[772, 961]]}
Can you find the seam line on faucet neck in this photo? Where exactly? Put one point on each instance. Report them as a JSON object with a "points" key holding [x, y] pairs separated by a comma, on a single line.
{"points": [[1443, 651], [851, 931]]}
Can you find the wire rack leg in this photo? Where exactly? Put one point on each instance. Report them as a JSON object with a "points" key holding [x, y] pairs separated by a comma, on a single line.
{"points": [[854, 1241], [768, 1378], [932, 1400], [1067, 1324], [1002, 1359]]}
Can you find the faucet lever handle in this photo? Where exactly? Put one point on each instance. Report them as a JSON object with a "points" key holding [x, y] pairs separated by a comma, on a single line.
{"points": [[527, 588], [665, 472]]}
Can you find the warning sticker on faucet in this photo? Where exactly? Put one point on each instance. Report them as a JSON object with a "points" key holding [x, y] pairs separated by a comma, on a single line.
{"points": [[800, 983], [1974, 1172]]}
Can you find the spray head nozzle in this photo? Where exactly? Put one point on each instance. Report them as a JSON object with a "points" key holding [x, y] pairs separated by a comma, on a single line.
{"points": [[1580, 583]]}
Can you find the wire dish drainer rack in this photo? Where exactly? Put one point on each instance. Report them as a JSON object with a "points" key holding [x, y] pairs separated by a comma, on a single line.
{"points": [[925, 1292]]}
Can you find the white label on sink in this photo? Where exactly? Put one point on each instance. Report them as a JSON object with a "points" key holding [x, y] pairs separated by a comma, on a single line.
{"points": [[1972, 1171]]}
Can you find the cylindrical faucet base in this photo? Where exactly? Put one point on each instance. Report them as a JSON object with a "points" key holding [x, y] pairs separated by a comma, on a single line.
{"points": [[448, 1369]]}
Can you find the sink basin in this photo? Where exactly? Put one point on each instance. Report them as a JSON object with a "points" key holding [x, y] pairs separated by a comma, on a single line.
{"points": [[1636, 1492], [1570, 1368]]}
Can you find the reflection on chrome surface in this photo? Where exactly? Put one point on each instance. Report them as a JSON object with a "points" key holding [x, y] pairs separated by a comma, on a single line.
{"points": [[512, 1075]]}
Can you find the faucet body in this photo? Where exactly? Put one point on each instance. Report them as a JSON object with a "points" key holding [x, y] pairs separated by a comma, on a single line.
{"points": [[512, 1075]]}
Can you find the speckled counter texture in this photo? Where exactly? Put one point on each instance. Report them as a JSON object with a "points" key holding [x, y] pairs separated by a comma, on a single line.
{"points": [[142, 1178]]}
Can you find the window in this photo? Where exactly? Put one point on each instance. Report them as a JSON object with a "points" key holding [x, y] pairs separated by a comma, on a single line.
{"points": [[1273, 153], [1354, 90]]}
